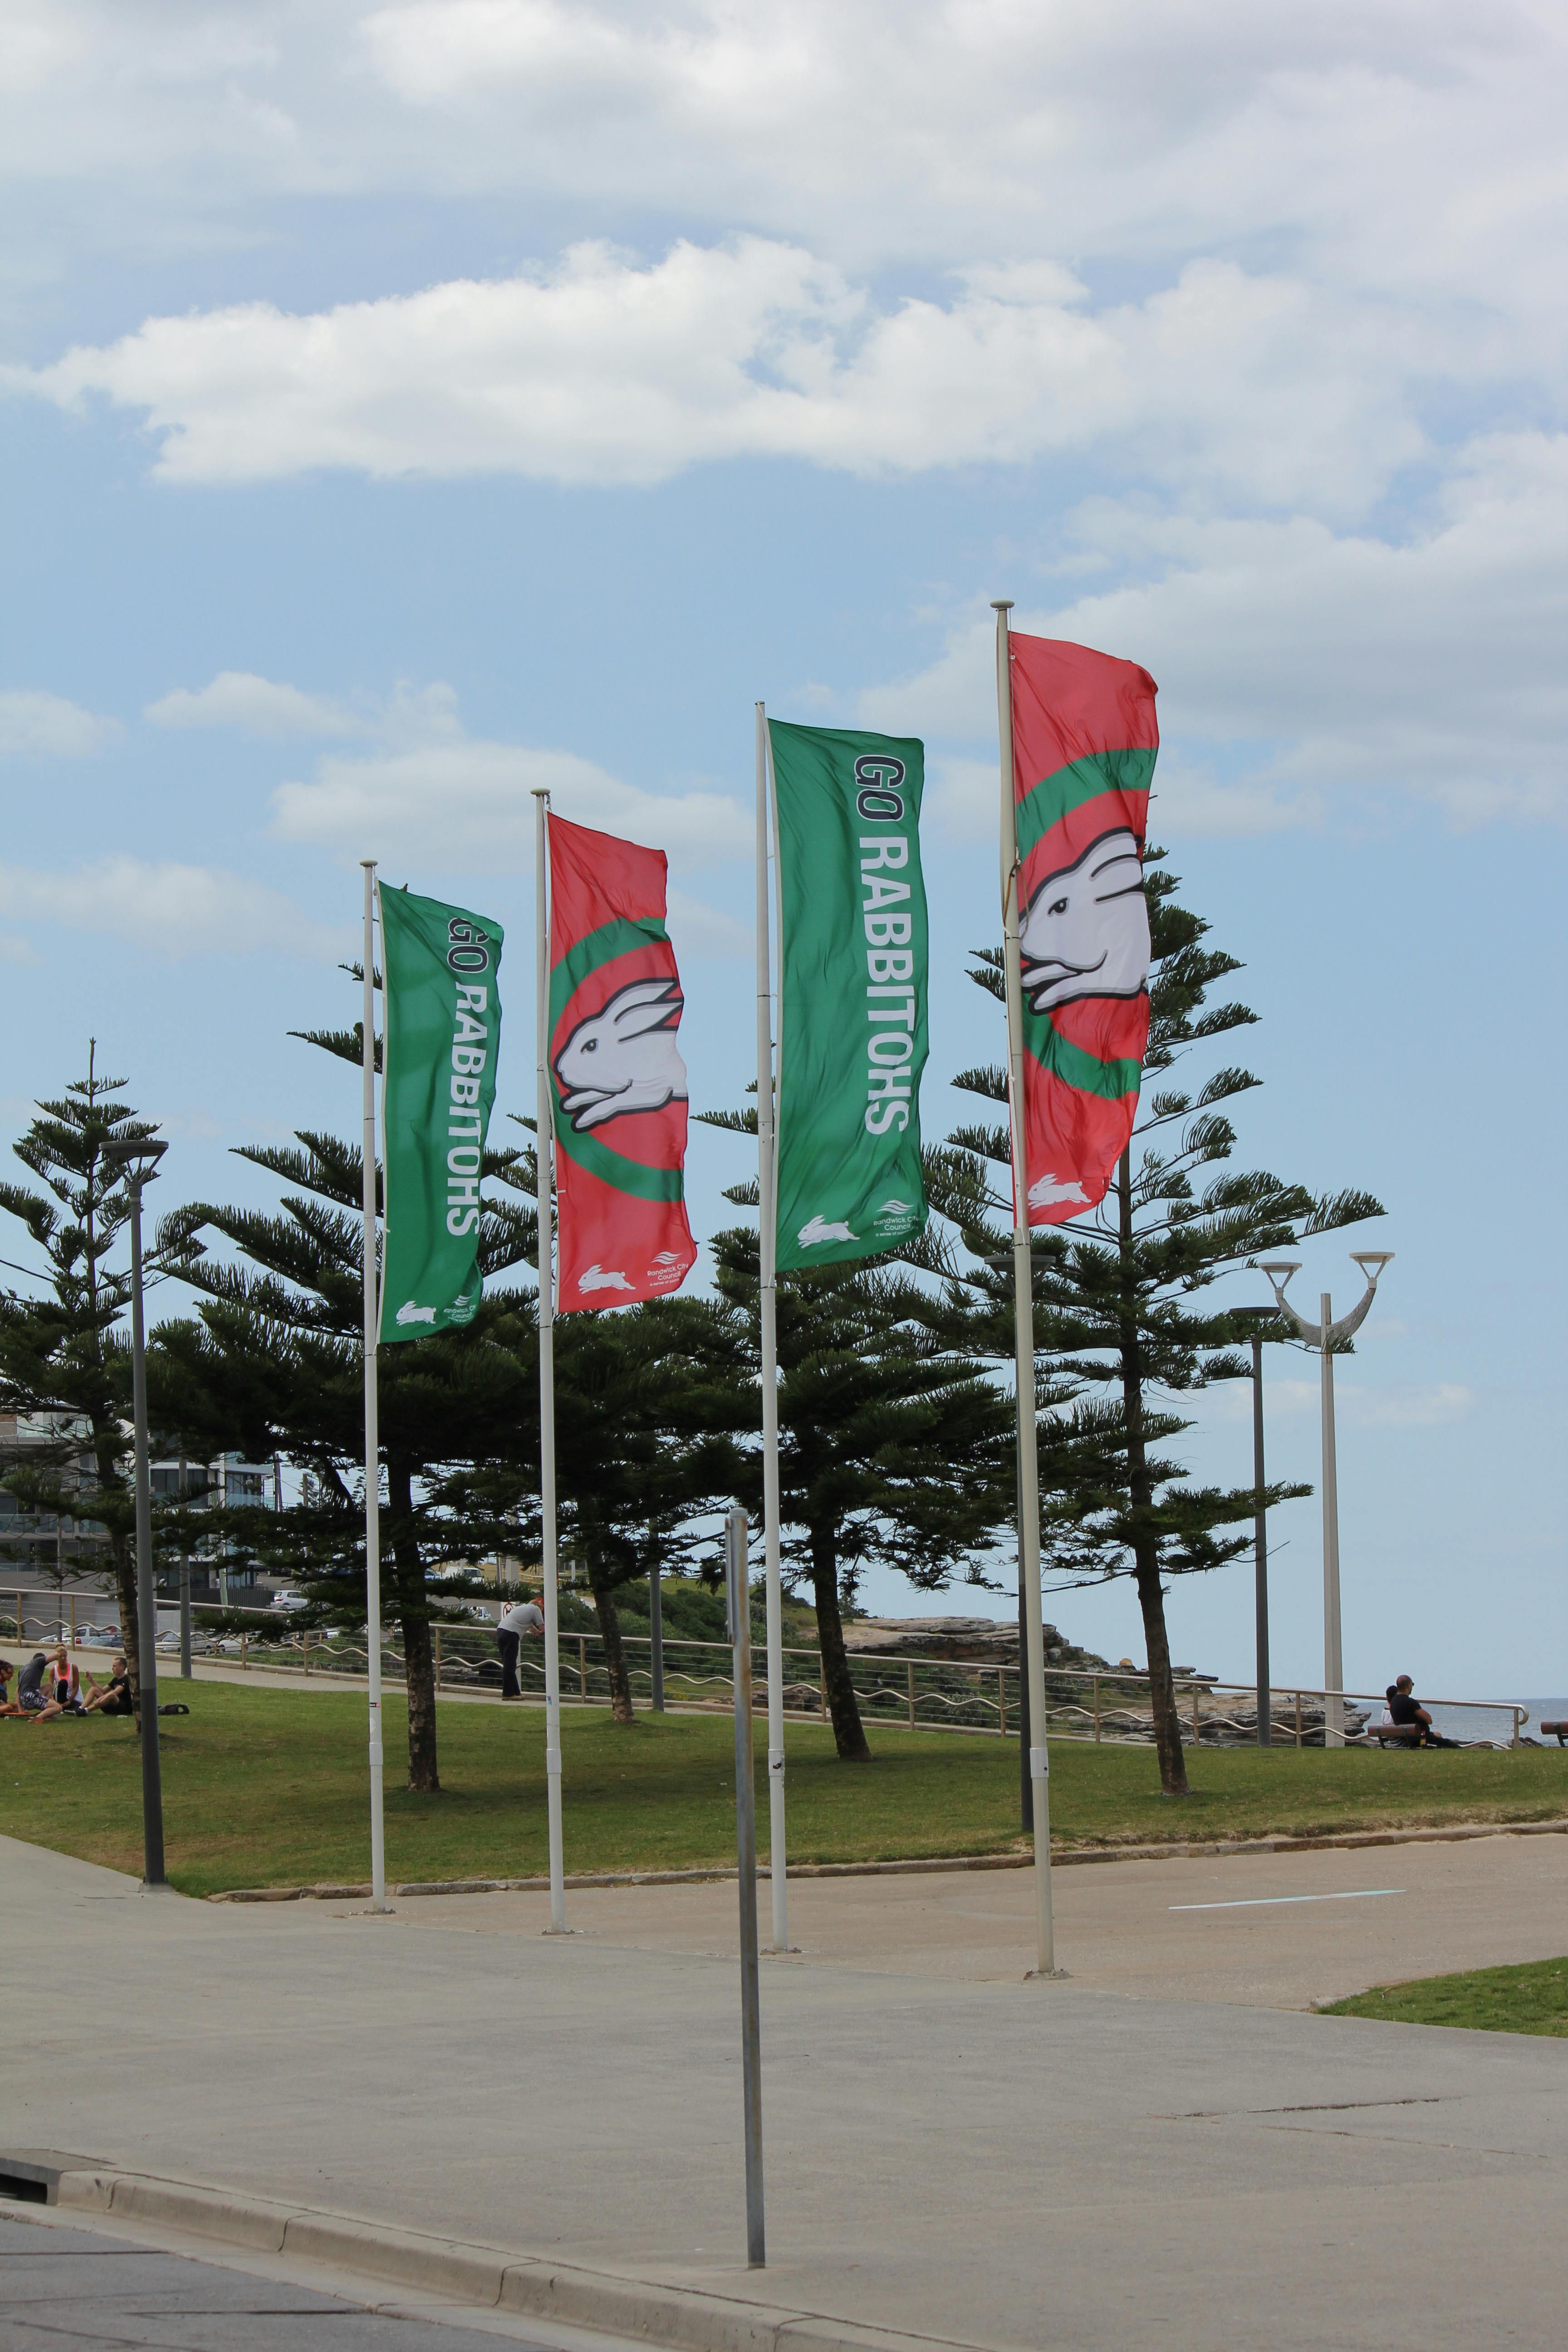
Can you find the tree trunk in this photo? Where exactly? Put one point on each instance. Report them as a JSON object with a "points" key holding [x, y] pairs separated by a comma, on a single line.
{"points": [[849, 1731], [1145, 1548], [614, 1654], [413, 1621]]}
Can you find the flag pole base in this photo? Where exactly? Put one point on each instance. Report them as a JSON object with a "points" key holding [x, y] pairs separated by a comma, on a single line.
{"points": [[1046, 1976], [561, 1931]]}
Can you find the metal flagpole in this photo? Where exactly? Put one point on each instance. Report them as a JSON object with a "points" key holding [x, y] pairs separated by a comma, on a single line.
{"points": [[767, 1249], [1024, 1326], [545, 1143], [740, 1613], [372, 1431], [1333, 1652]]}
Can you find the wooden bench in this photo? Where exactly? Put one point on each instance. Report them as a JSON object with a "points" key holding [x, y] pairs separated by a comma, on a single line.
{"points": [[1560, 1729], [1397, 1735]]}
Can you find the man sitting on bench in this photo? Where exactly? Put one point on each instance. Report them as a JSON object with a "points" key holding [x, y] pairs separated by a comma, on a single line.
{"points": [[1404, 1709]]}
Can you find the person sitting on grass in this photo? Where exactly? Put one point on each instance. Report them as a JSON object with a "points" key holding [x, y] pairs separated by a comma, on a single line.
{"points": [[62, 1689], [1405, 1707], [7, 1703], [31, 1696], [113, 1698]]}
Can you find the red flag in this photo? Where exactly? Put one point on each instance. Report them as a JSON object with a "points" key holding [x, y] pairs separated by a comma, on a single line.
{"points": [[1084, 744], [619, 1083]]}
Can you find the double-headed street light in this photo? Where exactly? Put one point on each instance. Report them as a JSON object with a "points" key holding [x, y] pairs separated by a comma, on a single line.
{"points": [[1325, 1335], [138, 1158]]}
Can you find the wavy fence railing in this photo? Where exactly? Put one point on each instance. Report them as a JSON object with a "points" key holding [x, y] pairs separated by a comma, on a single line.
{"points": [[1111, 1708]]}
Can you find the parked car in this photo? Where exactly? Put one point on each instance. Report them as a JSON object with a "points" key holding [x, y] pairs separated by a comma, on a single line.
{"points": [[98, 1637], [290, 1599]]}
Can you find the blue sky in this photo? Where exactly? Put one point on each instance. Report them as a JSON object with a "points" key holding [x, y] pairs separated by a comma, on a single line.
{"points": [[403, 406]]}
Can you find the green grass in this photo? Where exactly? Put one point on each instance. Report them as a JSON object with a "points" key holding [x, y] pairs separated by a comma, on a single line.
{"points": [[265, 1787], [1528, 2000]]}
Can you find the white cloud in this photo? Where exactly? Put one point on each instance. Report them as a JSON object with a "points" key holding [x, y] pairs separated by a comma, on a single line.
{"points": [[697, 930], [170, 910], [443, 801], [604, 371], [1436, 1405], [34, 725], [1312, 661], [238, 697], [1390, 144]]}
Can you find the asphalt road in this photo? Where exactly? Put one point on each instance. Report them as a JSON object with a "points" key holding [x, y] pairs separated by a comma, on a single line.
{"points": [[62, 2287]]}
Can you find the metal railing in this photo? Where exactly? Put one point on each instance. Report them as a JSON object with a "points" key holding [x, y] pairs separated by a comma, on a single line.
{"points": [[1109, 1707]]}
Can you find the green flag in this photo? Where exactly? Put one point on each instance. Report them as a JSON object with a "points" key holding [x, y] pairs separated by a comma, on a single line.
{"points": [[852, 991], [443, 1029]]}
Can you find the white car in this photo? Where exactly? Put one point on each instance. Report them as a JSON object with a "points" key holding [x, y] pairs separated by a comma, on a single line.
{"points": [[290, 1599]]}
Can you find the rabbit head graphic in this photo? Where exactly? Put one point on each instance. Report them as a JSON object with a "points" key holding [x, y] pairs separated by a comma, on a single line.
{"points": [[1085, 931], [624, 1058]]}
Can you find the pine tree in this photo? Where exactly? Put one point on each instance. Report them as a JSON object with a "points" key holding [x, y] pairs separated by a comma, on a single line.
{"points": [[66, 1354], [275, 1364], [894, 1444], [1119, 1294], [648, 1402]]}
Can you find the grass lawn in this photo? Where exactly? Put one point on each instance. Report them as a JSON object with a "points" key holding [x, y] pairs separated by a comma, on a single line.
{"points": [[267, 1788], [1528, 2000]]}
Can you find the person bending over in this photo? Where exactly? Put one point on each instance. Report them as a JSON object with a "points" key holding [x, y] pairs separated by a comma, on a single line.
{"points": [[522, 1617]]}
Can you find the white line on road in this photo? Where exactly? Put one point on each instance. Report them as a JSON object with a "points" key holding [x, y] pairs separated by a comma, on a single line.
{"points": [[1257, 1902]]}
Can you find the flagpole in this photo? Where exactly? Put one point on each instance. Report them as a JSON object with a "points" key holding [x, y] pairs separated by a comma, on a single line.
{"points": [[767, 1251], [1024, 1326], [372, 1431], [544, 1189]]}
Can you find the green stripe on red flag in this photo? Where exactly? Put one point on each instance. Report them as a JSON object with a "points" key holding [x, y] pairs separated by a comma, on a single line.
{"points": [[618, 1082], [1085, 740]]}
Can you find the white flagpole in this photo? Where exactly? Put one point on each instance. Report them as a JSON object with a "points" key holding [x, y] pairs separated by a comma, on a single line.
{"points": [[767, 1247], [1024, 1328], [372, 1431], [545, 1141]]}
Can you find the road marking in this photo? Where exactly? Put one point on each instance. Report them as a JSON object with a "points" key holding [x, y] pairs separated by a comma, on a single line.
{"points": [[1257, 1902]]}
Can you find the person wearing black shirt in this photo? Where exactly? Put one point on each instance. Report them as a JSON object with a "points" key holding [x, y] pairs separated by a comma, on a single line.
{"points": [[1403, 1706]]}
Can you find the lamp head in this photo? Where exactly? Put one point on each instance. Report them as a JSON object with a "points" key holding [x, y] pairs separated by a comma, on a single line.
{"points": [[136, 1157], [1371, 1262], [1279, 1270], [1255, 1318]]}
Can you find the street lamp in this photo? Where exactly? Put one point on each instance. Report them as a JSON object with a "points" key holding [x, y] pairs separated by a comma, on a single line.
{"points": [[138, 1157], [1258, 1322], [1325, 1335]]}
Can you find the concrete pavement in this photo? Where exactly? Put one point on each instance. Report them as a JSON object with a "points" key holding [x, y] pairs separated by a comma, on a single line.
{"points": [[979, 2160], [1280, 1931]]}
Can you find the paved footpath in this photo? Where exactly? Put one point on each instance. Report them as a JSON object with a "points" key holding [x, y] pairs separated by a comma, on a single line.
{"points": [[959, 2156]]}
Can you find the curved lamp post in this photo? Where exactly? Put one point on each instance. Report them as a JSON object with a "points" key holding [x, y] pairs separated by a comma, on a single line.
{"points": [[139, 1161], [1325, 1335]]}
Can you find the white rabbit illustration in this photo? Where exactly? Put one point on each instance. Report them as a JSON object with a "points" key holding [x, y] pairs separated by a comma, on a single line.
{"points": [[409, 1313], [1085, 929], [818, 1230], [624, 1058], [599, 1278]]}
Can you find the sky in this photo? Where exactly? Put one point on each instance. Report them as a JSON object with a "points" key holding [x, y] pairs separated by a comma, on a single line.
{"points": [[407, 405]]}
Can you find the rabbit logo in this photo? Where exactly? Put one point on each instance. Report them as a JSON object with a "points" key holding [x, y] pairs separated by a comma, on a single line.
{"points": [[1047, 1190], [816, 1230], [625, 1057], [1085, 929], [599, 1278]]}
